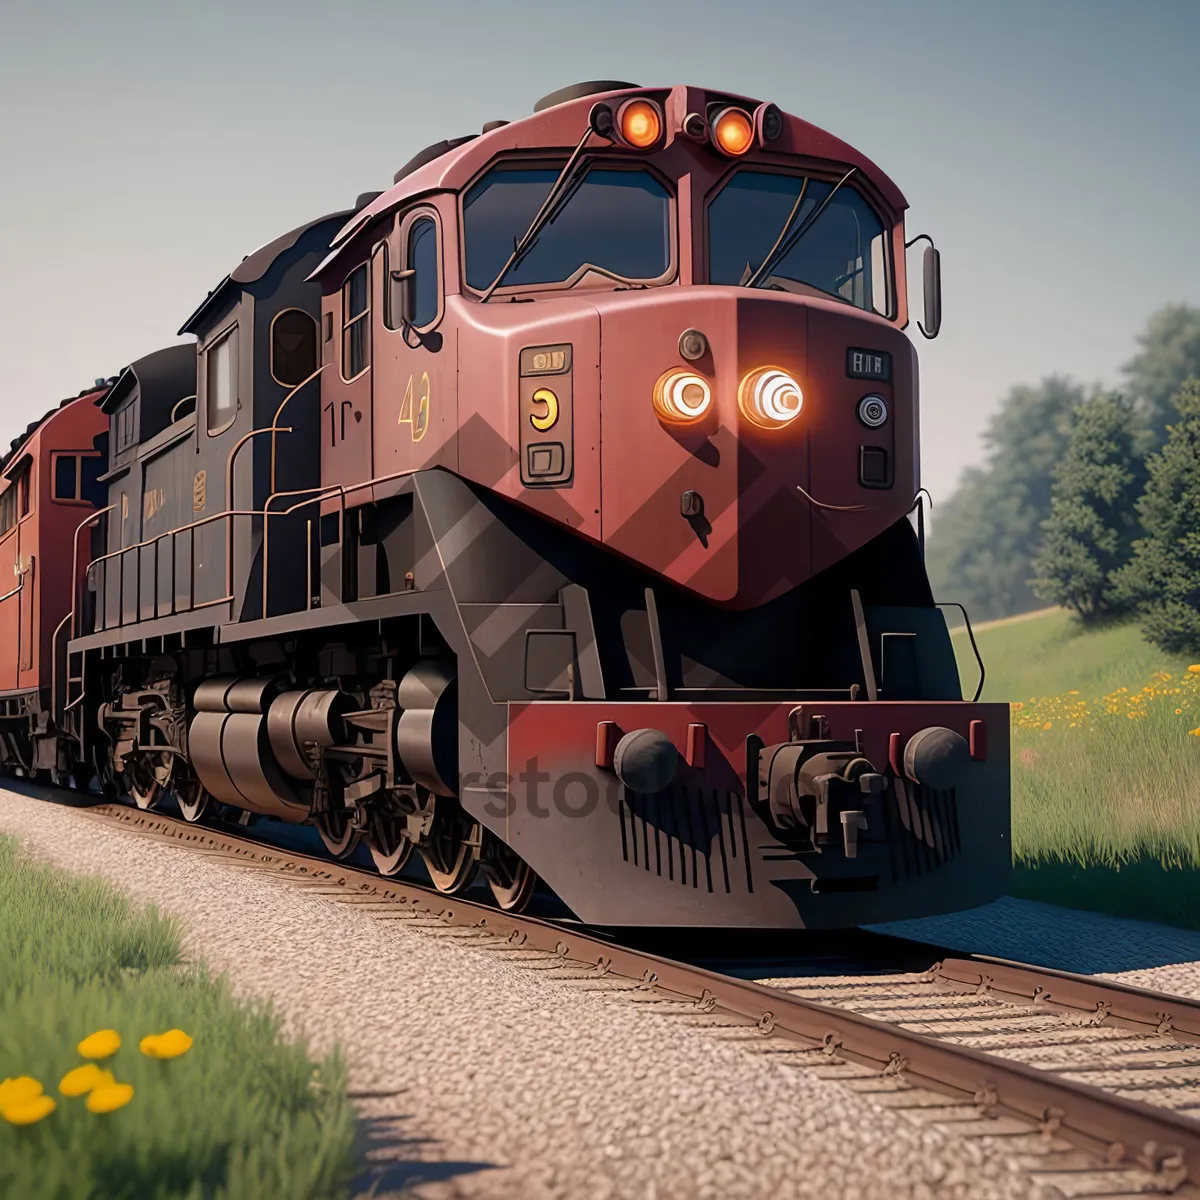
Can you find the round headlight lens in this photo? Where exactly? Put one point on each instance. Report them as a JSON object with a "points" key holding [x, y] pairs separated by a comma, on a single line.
{"points": [[640, 123], [770, 398], [681, 396], [733, 131]]}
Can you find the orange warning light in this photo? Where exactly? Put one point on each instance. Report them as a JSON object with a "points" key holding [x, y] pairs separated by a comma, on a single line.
{"points": [[640, 123], [733, 132]]}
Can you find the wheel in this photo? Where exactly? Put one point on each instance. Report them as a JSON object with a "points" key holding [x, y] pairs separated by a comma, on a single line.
{"points": [[510, 877], [335, 830], [191, 797], [449, 856], [388, 841], [149, 771]]}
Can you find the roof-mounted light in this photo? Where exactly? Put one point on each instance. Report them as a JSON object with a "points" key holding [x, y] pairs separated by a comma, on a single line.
{"points": [[733, 131], [640, 123], [768, 123]]}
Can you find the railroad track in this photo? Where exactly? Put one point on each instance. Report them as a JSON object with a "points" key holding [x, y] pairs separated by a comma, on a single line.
{"points": [[1089, 1085]]}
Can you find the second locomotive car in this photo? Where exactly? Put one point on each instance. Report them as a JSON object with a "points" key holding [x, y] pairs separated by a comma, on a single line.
{"points": [[548, 514]]}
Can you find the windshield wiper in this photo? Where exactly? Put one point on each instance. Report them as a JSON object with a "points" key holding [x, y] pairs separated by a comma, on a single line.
{"points": [[561, 190], [784, 244]]}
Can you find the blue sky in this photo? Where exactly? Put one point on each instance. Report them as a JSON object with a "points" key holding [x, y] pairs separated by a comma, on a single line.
{"points": [[1049, 147]]}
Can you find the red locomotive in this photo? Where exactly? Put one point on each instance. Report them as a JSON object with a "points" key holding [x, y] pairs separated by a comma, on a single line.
{"points": [[548, 514], [49, 486]]}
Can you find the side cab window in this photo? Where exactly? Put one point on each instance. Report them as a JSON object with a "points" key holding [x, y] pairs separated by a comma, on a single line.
{"points": [[77, 479], [221, 366], [356, 323], [415, 283], [294, 348]]}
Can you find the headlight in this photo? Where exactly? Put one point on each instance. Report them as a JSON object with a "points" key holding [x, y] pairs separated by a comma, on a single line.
{"points": [[640, 123], [733, 131], [682, 396], [770, 398]]}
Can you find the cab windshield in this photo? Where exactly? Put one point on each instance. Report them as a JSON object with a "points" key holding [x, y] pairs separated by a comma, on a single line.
{"points": [[843, 253], [616, 220]]}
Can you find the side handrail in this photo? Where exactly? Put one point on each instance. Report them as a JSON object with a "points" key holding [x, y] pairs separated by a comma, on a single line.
{"points": [[181, 401], [971, 634], [54, 662], [88, 520], [275, 426]]}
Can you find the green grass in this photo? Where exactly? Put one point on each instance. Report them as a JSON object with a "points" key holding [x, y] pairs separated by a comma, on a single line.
{"points": [[243, 1115], [1091, 784], [1050, 653]]}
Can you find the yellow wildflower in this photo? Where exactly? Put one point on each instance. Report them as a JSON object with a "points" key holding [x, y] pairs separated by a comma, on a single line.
{"points": [[1048, 724], [109, 1096], [102, 1044], [81, 1080], [26, 1112], [171, 1044], [19, 1090]]}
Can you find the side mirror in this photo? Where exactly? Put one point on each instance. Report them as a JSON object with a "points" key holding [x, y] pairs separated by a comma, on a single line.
{"points": [[401, 299], [933, 292]]}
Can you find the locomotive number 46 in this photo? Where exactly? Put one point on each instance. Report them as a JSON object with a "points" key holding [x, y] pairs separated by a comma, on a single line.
{"points": [[414, 411]]}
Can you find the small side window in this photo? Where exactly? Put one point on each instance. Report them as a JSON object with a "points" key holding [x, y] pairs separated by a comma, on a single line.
{"points": [[125, 426], [222, 382], [423, 259], [66, 477], [91, 467], [23, 486], [415, 290], [293, 347], [356, 323], [8, 508]]}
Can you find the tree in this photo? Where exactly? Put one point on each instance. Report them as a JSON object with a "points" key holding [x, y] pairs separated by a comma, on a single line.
{"points": [[1169, 353], [1093, 520], [984, 536], [1163, 576]]}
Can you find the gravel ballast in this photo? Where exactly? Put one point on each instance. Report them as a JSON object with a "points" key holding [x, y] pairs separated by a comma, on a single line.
{"points": [[1139, 953], [477, 1077]]}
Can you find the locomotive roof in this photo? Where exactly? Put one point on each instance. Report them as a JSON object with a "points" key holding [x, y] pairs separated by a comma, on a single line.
{"points": [[170, 372], [255, 265], [556, 122], [7, 459]]}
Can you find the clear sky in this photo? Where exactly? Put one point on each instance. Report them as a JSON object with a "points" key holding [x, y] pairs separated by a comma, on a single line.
{"points": [[1050, 146]]}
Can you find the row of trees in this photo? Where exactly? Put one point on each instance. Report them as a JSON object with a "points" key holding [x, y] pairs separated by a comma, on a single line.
{"points": [[1088, 499]]}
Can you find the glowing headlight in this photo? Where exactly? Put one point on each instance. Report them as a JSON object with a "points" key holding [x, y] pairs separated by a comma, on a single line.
{"points": [[681, 396], [640, 123], [770, 398], [733, 131]]}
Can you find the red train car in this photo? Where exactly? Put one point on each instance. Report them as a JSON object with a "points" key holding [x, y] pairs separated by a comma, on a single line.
{"points": [[49, 486], [547, 514]]}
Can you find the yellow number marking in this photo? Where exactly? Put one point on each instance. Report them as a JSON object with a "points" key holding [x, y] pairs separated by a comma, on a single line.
{"points": [[549, 418], [417, 422]]}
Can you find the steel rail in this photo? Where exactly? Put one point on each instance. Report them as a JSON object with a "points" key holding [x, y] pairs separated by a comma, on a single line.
{"points": [[1111, 1127], [1105, 1001]]}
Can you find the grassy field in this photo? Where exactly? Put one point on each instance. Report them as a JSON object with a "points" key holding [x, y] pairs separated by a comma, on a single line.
{"points": [[241, 1115], [1106, 741]]}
